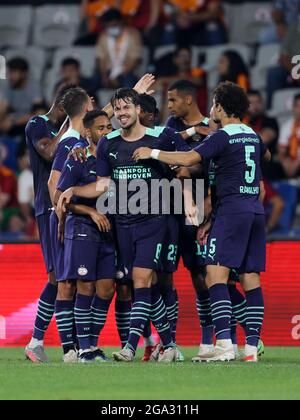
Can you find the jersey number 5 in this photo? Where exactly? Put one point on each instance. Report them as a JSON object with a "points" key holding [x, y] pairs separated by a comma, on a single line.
{"points": [[250, 175]]}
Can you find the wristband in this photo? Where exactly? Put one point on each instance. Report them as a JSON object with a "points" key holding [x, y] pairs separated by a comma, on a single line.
{"points": [[155, 153], [191, 131]]}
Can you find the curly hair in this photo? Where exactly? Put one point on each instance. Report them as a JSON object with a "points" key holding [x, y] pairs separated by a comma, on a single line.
{"points": [[233, 99]]}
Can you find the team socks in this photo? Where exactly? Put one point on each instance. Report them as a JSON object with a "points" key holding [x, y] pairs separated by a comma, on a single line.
{"points": [[255, 316], [140, 314], [45, 311], [99, 310], [221, 311], [123, 311], [64, 313], [169, 297], [83, 320], [204, 313], [159, 317]]}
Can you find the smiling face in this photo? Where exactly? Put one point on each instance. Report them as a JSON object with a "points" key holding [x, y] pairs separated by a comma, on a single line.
{"points": [[126, 113]]}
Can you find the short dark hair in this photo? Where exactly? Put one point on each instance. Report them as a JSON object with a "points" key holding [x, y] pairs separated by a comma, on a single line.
{"points": [[111, 15], [232, 98], [90, 117], [18, 63], [127, 95], [61, 91], [148, 103], [73, 101], [70, 61], [254, 92], [296, 97], [185, 88]]}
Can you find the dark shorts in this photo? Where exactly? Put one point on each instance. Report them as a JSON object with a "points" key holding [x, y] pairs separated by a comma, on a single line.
{"points": [[140, 245], [193, 254], [89, 261], [238, 242], [57, 248], [43, 222], [169, 254]]}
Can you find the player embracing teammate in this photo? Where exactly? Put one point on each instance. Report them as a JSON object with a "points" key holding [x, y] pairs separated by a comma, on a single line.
{"points": [[237, 239]]}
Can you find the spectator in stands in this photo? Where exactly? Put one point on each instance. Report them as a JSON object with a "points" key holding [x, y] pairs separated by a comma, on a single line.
{"points": [[25, 190], [281, 76], [71, 75], [8, 193], [180, 68], [199, 23], [233, 69], [119, 51], [274, 206], [19, 94], [268, 130], [140, 14], [285, 13], [289, 142]]}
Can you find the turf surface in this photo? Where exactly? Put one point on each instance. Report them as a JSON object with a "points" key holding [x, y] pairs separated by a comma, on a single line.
{"points": [[277, 376]]}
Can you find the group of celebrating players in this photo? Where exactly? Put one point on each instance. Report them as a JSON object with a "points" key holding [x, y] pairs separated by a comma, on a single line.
{"points": [[90, 256]]}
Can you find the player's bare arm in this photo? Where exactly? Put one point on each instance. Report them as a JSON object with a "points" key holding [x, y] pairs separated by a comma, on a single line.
{"points": [[93, 190], [46, 147], [170, 158]]}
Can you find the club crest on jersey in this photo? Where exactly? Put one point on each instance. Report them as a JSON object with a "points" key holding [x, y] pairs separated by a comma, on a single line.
{"points": [[82, 270]]}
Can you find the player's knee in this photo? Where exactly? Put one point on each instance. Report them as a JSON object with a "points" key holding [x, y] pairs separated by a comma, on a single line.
{"points": [[142, 277], [105, 289], [66, 290], [85, 288]]}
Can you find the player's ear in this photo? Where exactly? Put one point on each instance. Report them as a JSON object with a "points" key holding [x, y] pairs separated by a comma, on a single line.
{"points": [[189, 99], [138, 110]]}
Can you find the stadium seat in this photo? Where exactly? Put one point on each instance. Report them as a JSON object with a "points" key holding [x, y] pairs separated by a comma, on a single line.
{"points": [[36, 58], [104, 96], [289, 193], [245, 21], [282, 102], [213, 54], [85, 55], [55, 26], [267, 56], [15, 24]]}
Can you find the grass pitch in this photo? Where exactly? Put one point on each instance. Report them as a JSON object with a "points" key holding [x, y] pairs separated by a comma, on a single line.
{"points": [[277, 376]]}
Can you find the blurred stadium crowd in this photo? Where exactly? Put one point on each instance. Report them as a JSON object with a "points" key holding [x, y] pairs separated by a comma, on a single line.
{"points": [[101, 45]]}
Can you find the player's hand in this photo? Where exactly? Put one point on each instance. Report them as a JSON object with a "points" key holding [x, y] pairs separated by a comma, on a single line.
{"points": [[78, 153], [203, 233], [142, 153], [203, 131], [64, 200], [101, 221], [144, 84], [192, 213]]}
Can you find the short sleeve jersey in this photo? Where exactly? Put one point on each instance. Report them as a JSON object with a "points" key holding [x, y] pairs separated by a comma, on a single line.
{"points": [[114, 159], [236, 151], [36, 129]]}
